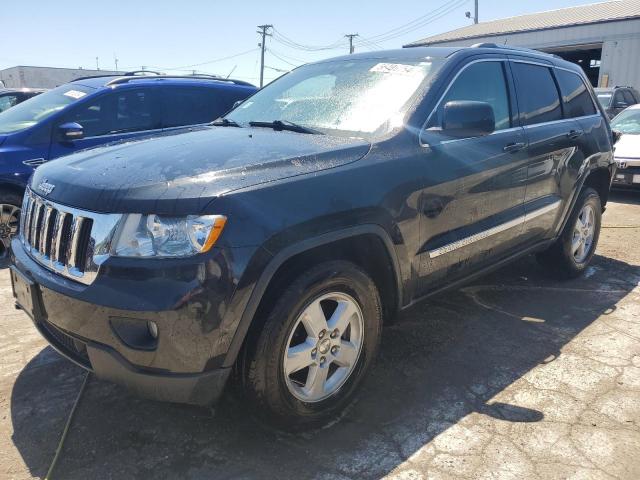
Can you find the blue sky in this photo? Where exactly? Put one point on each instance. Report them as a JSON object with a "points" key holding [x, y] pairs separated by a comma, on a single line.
{"points": [[174, 35]]}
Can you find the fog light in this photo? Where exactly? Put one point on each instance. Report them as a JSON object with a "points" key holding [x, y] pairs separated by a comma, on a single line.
{"points": [[153, 328]]}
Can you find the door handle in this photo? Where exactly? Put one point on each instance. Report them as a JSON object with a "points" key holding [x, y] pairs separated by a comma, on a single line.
{"points": [[573, 134], [514, 147]]}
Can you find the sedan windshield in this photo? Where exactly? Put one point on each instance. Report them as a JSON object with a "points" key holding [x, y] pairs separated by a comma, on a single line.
{"points": [[627, 122], [36, 109], [350, 96]]}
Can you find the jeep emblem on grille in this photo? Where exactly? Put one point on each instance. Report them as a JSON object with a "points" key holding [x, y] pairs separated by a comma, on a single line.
{"points": [[46, 188]]}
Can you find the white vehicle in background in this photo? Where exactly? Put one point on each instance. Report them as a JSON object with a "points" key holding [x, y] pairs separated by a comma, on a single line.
{"points": [[627, 149]]}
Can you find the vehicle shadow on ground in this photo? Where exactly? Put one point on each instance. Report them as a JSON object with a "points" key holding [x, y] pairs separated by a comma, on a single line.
{"points": [[442, 361]]}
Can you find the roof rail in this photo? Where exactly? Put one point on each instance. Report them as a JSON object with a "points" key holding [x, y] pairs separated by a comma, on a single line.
{"points": [[143, 72], [127, 79], [509, 47]]}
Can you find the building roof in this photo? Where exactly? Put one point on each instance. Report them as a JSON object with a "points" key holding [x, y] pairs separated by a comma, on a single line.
{"points": [[564, 17]]}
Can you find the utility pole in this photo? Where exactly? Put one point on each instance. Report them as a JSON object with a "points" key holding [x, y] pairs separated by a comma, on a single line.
{"points": [[264, 31], [115, 59], [97, 64], [475, 12], [351, 36]]}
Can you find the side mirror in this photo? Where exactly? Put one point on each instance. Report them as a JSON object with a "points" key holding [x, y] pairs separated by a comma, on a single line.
{"points": [[466, 118], [615, 136], [70, 131]]}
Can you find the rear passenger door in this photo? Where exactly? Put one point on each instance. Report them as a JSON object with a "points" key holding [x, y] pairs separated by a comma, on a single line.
{"points": [[553, 153], [471, 214]]}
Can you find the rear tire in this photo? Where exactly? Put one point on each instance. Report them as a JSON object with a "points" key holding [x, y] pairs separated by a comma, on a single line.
{"points": [[316, 345], [572, 252]]}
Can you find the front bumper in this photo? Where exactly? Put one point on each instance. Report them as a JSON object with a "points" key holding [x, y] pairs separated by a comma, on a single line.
{"points": [[184, 364], [627, 177]]}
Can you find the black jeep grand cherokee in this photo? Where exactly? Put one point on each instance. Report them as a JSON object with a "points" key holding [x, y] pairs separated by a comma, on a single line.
{"points": [[276, 241]]}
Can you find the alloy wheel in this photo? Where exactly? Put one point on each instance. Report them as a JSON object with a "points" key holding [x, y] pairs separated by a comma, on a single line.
{"points": [[583, 233], [9, 221], [323, 347]]}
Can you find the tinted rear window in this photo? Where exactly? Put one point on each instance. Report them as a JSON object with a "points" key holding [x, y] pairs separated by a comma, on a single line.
{"points": [[575, 96], [192, 106], [538, 98]]}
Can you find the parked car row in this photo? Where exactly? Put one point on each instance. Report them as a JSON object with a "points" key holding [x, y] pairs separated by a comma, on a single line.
{"points": [[94, 111], [274, 243], [627, 152]]}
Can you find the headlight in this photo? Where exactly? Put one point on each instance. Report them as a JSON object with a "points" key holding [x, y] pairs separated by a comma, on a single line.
{"points": [[164, 236]]}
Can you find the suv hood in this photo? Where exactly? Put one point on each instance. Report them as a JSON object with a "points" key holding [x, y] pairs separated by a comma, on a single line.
{"points": [[3, 137], [181, 174]]}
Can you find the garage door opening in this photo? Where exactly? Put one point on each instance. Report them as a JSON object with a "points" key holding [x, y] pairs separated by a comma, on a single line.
{"points": [[587, 56]]}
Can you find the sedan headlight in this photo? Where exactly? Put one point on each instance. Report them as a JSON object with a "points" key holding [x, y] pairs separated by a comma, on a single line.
{"points": [[165, 236]]}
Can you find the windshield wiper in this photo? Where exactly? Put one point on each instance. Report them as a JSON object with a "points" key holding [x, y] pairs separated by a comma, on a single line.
{"points": [[279, 125], [225, 122]]}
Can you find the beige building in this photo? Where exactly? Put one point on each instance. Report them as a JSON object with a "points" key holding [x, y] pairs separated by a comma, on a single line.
{"points": [[603, 38]]}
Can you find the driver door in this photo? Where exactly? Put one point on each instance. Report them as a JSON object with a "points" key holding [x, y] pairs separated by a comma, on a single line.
{"points": [[114, 116], [471, 213]]}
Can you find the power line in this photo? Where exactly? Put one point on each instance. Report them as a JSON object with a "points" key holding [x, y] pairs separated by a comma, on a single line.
{"points": [[282, 59], [419, 22], [186, 67]]}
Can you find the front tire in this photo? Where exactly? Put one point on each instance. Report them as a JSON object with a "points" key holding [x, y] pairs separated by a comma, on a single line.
{"points": [[571, 254], [317, 343], [10, 204]]}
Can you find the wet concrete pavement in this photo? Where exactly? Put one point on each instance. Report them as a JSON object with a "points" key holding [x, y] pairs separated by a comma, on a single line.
{"points": [[515, 376]]}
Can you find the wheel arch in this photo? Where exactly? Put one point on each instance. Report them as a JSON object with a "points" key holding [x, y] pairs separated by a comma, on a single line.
{"points": [[368, 246], [599, 179]]}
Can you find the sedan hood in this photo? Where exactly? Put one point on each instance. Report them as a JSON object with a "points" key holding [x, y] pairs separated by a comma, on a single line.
{"points": [[628, 147], [180, 174]]}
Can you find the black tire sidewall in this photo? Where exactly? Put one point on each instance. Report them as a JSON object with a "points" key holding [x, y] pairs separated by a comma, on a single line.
{"points": [[267, 378]]}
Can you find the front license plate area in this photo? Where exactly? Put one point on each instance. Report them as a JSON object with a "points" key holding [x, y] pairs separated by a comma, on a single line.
{"points": [[636, 179], [27, 294]]}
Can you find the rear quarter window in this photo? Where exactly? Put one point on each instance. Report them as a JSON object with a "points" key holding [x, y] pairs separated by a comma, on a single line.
{"points": [[576, 99], [538, 98]]}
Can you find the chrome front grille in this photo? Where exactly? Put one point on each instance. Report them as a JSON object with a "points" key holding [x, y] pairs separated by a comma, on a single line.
{"points": [[71, 242]]}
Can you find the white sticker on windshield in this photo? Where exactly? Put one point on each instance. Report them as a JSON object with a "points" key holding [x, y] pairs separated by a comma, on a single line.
{"points": [[75, 94], [397, 68]]}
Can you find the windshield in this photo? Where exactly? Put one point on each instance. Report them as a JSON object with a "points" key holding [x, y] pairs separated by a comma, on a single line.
{"points": [[604, 98], [36, 109], [359, 96], [627, 122]]}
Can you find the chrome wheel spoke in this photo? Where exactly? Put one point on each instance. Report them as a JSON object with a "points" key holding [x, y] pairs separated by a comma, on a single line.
{"points": [[346, 355], [316, 381], [342, 316], [314, 320], [298, 357]]}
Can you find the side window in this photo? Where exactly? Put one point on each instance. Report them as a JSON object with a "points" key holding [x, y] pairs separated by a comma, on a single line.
{"points": [[481, 82], [618, 99], [7, 101], [575, 96], [191, 106], [628, 98], [537, 94], [119, 112]]}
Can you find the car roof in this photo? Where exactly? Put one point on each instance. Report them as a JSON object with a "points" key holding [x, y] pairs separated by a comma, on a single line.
{"points": [[117, 80]]}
